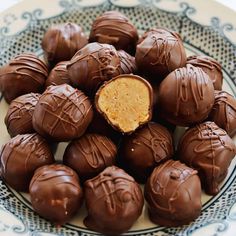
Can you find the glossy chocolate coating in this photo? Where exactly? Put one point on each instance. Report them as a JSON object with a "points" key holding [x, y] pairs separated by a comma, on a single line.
{"points": [[159, 52], [61, 42], [127, 63], [186, 96], [58, 75], [62, 113], [173, 194], [18, 119], [90, 155], [223, 112], [24, 74], [21, 156], [114, 201], [55, 193], [114, 28], [92, 65], [208, 149], [210, 66], [144, 149]]}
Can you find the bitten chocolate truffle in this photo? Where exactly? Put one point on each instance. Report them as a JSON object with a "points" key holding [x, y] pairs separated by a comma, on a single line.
{"points": [[90, 155], [173, 194], [186, 96], [223, 112], [114, 202], [125, 102], [210, 66], [159, 52], [18, 119], [58, 75], [62, 113], [55, 193], [61, 42], [21, 156], [208, 149], [24, 74], [114, 28], [144, 149], [127, 63], [93, 65]]}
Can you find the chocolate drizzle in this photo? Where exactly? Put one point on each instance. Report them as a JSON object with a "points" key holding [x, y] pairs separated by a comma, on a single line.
{"points": [[127, 63]]}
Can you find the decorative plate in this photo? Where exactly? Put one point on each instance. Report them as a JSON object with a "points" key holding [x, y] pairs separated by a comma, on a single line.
{"points": [[206, 28]]}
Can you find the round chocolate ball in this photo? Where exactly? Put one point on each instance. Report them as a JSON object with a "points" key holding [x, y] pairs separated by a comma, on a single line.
{"points": [[55, 193], [173, 194], [62, 113], [61, 42], [24, 74], [21, 156], [159, 52], [114, 28], [90, 155], [223, 112], [92, 65], [186, 96], [127, 63], [210, 66], [114, 202], [208, 149], [144, 149]]}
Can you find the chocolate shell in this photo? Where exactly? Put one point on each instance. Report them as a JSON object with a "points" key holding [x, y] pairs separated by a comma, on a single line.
{"points": [[55, 193], [114, 202], [62, 113], [24, 74], [21, 156], [127, 63], [173, 194], [208, 149]]}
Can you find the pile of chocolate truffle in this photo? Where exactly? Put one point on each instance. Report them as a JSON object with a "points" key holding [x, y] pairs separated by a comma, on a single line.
{"points": [[116, 98]]}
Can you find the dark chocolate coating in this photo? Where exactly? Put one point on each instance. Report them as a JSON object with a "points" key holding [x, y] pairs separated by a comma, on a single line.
{"points": [[210, 66], [90, 155], [159, 52], [24, 74], [58, 75], [55, 193], [18, 119], [114, 201], [144, 149], [62, 113], [92, 65], [114, 28], [173, 194], [21, 156], [223, 112], [61, 42], [127, 63], [186, 96], [208, 149]]}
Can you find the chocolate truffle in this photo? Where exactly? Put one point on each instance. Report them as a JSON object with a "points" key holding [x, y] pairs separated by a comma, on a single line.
{"points": [[93, 65], [125, 102], [90, 155], [25, 73], [223, 112], [127, 63], [144, 149], [62, 113], [55, 193], [21, 156], [114, 202], [114, 28], [61, 42], [210, 66], [186, 96], [208, 149], [160, 52], [173, 194], [58, 75], [18, 119]]}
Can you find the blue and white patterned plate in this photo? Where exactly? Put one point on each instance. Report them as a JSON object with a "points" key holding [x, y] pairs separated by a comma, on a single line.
{"points": [[206, 28]]}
